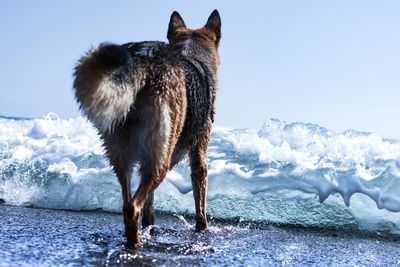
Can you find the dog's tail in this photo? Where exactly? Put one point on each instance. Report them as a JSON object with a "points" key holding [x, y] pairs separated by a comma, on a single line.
{"points": [[104, 90]]}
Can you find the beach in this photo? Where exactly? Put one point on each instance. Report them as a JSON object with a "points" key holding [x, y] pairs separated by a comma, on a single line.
{"points": [[32, 236]]}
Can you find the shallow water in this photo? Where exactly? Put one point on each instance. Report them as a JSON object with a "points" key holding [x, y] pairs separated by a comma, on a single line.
{"points": [[31, 236]]}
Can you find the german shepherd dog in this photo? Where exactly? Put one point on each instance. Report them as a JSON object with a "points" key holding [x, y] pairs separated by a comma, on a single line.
{"points": [[153, 104]]}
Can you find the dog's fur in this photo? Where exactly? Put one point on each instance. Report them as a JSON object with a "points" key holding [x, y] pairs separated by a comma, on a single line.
{"points": [[153, 103]]}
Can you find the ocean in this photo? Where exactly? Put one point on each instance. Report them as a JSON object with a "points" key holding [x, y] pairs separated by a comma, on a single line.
{"points": [[275, 195]]}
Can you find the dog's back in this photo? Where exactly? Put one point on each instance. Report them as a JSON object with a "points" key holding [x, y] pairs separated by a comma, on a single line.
{"points": [[153, 103]]}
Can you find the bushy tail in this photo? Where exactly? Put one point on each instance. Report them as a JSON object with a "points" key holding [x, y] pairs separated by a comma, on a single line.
{"points": [[105, 87]]}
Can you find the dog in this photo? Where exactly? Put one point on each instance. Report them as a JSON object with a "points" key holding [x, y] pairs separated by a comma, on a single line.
{"points": [[153, 103]]}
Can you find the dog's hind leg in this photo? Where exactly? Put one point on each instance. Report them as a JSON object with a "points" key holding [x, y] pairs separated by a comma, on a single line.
{"points": [[122, 159], [153, 171], [125, 181], [198, 165], [123, 173], [150, 180], [162, 113], [148, 211]]}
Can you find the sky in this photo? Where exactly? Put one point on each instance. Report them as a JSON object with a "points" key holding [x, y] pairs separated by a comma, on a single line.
{"points": [[333, 63]]}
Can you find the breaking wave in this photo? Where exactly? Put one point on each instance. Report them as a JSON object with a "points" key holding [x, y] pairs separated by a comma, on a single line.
{"points": [[284, 173]]}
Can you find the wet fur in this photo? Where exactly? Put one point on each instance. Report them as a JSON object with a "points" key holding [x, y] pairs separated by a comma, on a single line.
{"points": [[153, 104]]}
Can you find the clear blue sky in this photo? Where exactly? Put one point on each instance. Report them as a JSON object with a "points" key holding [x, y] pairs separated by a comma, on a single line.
{"points": [[334, 63]]}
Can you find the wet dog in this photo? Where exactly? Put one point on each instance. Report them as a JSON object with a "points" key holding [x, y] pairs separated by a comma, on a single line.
{"points": [[153, 104]]}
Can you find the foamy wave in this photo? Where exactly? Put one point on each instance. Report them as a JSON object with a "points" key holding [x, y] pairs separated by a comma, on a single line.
{"points": [[278, 174]]}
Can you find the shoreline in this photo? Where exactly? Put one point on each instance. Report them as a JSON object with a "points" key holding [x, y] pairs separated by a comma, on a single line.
{"points": [[349, 231], [59, 237]]}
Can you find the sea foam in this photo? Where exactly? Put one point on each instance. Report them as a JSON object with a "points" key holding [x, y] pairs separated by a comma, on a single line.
{"points": [[284, 173]]}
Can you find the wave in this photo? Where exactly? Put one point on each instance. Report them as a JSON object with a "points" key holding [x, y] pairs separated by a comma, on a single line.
{"points": [[284, 173]]}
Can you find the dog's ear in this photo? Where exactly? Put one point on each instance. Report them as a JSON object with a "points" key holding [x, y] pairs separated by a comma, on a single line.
{"points": [[214, 24], [175, 23]]}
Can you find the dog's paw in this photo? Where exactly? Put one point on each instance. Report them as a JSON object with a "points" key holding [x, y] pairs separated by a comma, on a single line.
{"points": [[201, 225]]}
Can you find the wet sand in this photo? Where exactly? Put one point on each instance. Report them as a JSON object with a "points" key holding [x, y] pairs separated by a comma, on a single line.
{"points": [[30, 236]]}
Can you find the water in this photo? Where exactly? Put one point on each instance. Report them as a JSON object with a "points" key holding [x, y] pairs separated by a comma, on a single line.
{"points": [[287, 174], [31, 237]]}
